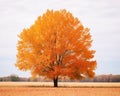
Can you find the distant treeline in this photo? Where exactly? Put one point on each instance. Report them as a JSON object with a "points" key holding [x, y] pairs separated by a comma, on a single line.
{"points": [[100, 78], [104, 78]]}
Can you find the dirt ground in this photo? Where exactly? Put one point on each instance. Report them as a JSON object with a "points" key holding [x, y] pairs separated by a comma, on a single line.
{"points": [[50, 91]]}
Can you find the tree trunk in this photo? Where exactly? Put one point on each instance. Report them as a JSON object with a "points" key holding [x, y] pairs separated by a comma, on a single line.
{"points": [[55, 80]]}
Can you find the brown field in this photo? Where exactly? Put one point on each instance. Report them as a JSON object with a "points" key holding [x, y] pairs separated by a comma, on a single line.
{"points": [[74, 89]]}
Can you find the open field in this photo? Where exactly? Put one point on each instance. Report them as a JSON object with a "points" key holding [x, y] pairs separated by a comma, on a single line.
{"points": [[61, 84], [39, 91], [74, 89]]}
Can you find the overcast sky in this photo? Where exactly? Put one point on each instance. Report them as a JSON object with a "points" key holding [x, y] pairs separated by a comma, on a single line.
{"points": [[101, 16]]}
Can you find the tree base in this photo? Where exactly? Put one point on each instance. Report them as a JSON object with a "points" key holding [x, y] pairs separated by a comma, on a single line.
{"points": [[55, 80]]}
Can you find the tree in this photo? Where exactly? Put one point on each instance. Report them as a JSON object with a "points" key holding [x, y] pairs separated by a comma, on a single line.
{"points": [[56, 46], [14, 77]]}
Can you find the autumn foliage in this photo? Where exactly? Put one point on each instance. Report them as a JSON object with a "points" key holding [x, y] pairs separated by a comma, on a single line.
{"points": [[57, 45]]}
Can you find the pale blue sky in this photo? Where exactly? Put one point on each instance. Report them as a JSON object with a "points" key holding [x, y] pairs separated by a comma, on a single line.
{"points": [[101, 16]]}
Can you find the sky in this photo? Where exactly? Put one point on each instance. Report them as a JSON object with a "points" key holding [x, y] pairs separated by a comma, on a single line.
{"points": [[101, 16]]}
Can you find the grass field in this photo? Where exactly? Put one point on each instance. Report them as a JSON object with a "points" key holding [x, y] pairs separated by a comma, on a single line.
{"points": [[60, 84], [70, 89]]}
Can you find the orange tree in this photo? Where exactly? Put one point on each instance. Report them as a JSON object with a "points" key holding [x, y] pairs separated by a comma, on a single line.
{"points": [[56, 46]]}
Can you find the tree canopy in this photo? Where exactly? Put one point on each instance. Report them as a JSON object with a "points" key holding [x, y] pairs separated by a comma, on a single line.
{"points": [[57, 45]]}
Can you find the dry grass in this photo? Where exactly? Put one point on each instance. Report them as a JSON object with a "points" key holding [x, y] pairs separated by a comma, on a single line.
{"points": [[39, 91], [61, 84], [82, 89]]}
